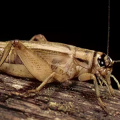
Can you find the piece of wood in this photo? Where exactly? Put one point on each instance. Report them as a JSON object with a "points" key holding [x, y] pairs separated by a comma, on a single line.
{"points": [[55, 101]]}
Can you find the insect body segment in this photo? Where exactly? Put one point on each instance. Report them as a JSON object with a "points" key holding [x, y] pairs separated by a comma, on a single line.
{"points": [[49, 61]]}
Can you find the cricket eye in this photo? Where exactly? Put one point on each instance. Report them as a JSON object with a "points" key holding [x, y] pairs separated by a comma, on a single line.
{"points": [[101, 61]]}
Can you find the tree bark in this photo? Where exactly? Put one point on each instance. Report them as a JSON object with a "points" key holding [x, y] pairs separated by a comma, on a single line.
{"points": [[54, 102]]}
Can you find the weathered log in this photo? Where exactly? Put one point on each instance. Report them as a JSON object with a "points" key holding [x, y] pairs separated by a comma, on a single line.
{"points": [[55, 101]]}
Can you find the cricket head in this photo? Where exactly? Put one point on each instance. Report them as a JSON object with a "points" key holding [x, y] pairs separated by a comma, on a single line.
{"points": [[103, 66]]}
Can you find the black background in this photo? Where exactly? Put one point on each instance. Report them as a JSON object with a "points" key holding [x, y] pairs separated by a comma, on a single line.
{"points": [[83, 24]]}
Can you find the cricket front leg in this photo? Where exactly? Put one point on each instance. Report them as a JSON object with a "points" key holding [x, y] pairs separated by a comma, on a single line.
{"points": [[36, 65], [89, 76]]}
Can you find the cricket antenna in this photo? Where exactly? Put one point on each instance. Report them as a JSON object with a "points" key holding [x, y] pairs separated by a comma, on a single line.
{"points": [[116, 61], [108, 27]]}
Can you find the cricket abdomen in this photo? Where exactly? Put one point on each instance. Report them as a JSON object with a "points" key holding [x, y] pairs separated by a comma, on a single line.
{"points": [[17, 70]]}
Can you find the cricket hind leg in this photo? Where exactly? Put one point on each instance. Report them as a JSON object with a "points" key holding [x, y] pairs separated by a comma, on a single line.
{"points": [[43, 83], [38, 38], [89, 76], [36, 65], [6, 52], [21, 50]]}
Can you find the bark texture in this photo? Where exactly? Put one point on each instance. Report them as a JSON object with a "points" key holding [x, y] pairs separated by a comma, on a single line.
{"points": [[54, 102]]}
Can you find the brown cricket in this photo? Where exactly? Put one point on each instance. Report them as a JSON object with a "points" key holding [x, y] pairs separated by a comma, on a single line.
{"points": [[51, 61]]}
